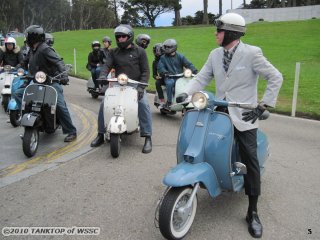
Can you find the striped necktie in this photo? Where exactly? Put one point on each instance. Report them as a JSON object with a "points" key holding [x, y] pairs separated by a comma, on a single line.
{"points": [[227, 57]]}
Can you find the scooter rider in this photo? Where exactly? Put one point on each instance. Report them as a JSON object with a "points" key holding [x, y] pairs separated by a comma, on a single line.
{"points": [[236, 68], [129, 59], [10, 53], [95, 58], [158, 52], [106, 49], [143, 40], [44, 58], [172, 62]]}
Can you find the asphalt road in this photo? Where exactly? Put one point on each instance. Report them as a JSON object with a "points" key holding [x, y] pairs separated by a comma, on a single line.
{"points": [[87, 187]]}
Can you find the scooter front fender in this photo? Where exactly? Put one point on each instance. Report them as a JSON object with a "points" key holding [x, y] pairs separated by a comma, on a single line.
{"points": [[29, 120], [185, 174], [117, 125]]}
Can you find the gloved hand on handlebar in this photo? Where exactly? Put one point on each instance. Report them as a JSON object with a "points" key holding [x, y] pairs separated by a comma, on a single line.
{"points": [[254, 114], [165, 75], [181, 97], [140, 93]]}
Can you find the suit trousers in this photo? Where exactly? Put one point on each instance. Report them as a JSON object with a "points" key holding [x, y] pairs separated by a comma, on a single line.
{"points": [[248, 151]]}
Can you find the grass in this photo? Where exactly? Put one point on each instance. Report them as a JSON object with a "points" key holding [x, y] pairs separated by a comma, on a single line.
{"points": [[283, 44]]}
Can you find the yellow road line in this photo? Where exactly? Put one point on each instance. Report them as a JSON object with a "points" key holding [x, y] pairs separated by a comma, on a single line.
{"points": [[89, 124]]}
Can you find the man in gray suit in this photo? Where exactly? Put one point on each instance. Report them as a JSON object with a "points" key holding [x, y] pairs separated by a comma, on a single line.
{"points": [[236, 67]]}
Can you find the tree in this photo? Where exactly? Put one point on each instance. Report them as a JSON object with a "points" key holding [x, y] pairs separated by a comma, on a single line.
{"points": [[205, 12], [177, 7], [151, 9]]}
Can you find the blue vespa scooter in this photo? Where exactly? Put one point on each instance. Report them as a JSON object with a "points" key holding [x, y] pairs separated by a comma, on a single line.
{"points": [[13, 110], [207, 157]]}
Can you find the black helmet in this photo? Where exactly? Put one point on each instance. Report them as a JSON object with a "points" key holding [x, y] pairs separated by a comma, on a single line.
{"points": [[143, 40], [107, 39], [170, 46], [124, 30], [158, 49], [95, 44], [34, 34], [49, 39]]}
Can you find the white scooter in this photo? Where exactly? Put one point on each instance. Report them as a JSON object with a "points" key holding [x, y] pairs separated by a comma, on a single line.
{"points": [[121, 110], [6, 78], [182, 81]]}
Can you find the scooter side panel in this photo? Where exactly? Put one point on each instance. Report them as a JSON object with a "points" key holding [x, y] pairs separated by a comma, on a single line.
{"points": [[50, 100], [185, 174], [218, 146]]}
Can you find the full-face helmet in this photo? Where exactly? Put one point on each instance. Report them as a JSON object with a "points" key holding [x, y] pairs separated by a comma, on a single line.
{"points": [[158, 49], [49, 39], [170, 46], [95, 44], [143, 40], [34, 34], [124, 30]]}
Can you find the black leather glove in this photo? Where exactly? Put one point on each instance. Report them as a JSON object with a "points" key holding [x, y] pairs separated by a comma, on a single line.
{"points": [[165, 75], [181, 97], [64, 81], [140, 93], [254, 114]]}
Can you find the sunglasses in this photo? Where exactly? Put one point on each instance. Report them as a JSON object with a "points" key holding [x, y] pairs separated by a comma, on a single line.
{"points": [[121, 36]]}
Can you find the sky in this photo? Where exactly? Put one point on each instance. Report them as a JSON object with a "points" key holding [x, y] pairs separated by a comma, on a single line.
{"points": [[190, 7]]}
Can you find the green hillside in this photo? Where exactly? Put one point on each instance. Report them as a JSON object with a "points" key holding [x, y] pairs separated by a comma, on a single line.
{"points": [[283, 43]]}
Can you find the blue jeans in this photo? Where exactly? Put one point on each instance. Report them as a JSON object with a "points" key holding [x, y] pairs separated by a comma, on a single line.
{"points": [[95, 73], [63, 114], [144, 115], [169, 88]]}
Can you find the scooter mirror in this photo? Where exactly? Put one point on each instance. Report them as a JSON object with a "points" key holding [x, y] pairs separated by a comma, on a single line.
{"points": [[240, 168]]}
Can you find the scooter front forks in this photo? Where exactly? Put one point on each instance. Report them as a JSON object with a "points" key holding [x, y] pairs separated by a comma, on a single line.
{"points": [[185, 209]]}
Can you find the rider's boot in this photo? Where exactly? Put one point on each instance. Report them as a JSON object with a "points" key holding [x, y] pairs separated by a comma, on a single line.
{"points": [[98, 140], [254, 224], [147, 148]]}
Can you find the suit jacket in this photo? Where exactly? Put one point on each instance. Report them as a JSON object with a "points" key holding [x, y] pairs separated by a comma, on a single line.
{"points": [[239, 83]]}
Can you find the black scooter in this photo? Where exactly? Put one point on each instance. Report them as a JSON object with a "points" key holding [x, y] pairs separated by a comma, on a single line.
{"points": [[38, 107]]}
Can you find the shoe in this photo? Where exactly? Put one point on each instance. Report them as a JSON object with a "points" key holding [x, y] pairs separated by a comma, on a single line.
{"points": [[254, 225], [162, 104], [70, 137], [98, 140], [147, 148]]}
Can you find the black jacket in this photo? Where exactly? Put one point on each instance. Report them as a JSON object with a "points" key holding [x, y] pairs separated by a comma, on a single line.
{"points": [[132, 61], [94, 58], [13, 58], [45, 59]]}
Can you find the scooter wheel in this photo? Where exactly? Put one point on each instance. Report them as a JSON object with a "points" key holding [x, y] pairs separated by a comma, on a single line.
{"points": [[15, 118], [30, 141], [94, 95], [115, 145], [174, 220]]}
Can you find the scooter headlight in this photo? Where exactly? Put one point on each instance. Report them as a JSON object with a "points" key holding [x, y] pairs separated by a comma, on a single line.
{"points": [[200, 100], [122, 79], [187, 73], [40, 77], [20, 72]]}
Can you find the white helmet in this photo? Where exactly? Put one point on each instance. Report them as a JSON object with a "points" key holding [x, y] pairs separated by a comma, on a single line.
{"points": [[231, 22], [10, 40]]}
